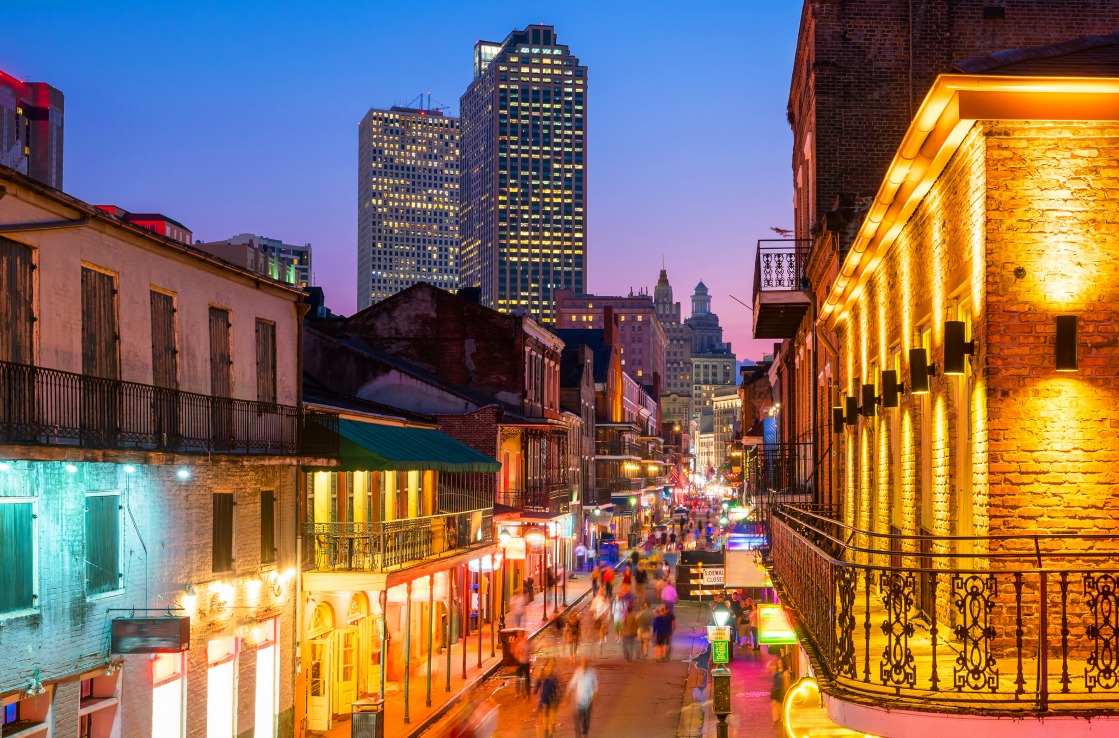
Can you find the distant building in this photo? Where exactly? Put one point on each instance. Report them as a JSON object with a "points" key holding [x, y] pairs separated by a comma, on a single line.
{"points": [[640, 333], [154, 222], [676, 398], [408, 202], [270, 257], [524, 173], [31, 129], [712, 361]]}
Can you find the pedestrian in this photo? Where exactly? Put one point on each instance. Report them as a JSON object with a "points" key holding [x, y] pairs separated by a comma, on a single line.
{"points": [[669, 595], [662, 633], [744, 622], [580, 555], [754, 627], [620, 608], [640, 583], [781, 679], [596, 575], [584, 685], [629, 635], [523, 651], [547, 699], [608, 580], [571, 633], [645, 629], [600, 611], [517, 610]]}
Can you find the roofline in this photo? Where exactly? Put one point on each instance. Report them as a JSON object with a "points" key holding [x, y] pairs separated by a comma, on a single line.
{"points": [[947, 114], [351, 414], [93, 212]]}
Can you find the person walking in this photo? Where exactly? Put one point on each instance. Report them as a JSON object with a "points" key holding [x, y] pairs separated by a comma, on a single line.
{"points": [[571, 633], [584, 686], [662, 633], [608, 580], [781, 678], [754, 627], [629, 635], [547, 699], [600, 612], [523, 651], [645, 629], [596, 575], [640, 583], [619, 609]]}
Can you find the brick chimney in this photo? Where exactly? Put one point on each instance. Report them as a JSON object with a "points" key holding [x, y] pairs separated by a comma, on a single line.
{"points": [[608, 327]]}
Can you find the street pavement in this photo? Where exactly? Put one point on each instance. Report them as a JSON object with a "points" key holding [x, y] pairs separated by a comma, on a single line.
{"points": [[638, 698]]}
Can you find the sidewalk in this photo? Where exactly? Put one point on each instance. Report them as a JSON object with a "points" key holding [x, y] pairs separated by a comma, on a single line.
{"points": [[419, 713]]}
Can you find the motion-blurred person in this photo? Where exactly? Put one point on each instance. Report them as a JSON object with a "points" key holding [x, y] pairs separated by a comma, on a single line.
{"points": [[584, 687], [547, 692]]}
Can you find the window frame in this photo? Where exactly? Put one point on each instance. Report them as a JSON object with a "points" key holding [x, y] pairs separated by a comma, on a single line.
{"points": [[275, 552]]}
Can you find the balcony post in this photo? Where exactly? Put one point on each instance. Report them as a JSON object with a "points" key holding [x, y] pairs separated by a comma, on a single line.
{"points": [[1043, 644], [430, 631], [384, 639], [481, 632], [464, 594], [493, 594], [407, 648]]}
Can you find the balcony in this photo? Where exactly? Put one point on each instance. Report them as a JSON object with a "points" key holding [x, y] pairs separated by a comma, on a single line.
{"points": [[51, 407], [383, 547], [979, 626], [538, 498], [614, 449], [780, 287]]}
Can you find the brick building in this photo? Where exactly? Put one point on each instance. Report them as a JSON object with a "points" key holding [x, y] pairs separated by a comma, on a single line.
{"points": [[641, 337], [974, 387], [151, 430]]}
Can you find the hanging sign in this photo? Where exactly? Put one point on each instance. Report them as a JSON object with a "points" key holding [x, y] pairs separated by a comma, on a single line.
{"points": [[515, 549], [774, 628]]}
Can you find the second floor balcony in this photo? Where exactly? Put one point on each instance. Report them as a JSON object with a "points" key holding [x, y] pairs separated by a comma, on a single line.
{"points": [[387, 546], [543, 498], [780, 287], [57, 408], [982, 626]]}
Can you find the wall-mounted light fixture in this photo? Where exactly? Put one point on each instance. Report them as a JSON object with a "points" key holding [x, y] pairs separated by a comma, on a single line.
{"points": [[870, 401], [1068, 329], [919, 371], [890, 388], [837, 419], [852, 410], [956, 347]]}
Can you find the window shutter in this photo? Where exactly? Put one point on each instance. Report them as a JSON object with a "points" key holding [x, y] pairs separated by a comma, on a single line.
{"points": [[267, 527], [16, 573], [223, 532], [102, 536]]}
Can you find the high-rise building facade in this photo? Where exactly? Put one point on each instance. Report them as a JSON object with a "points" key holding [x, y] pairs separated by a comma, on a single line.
{"points": [[678, 352], [641, 336], [523, 214], [271, 257], [31, 129], [408, 202], [712, 361]]}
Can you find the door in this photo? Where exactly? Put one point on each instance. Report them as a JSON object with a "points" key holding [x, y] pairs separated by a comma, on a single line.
{"points": [[319, 684], [100, 359], [165, 370], [17, 303], [221, 380], [345, 689]]}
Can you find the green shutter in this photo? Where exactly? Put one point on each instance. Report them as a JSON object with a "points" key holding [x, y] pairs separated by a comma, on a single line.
{"points": [[16, 556], [102, 536], [223, 532]]}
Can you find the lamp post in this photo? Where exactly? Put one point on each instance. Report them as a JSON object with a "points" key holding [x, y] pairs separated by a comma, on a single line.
{"points": [[720, 676], [503, 537]]}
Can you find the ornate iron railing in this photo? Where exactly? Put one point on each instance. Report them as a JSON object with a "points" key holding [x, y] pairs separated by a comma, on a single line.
{"points": [[390, 545], [618, 448], [781, 467], [779, 265], [967, 624], [546, 498], [48, 406]]}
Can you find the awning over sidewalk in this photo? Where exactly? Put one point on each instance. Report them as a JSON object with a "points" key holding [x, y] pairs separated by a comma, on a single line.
{"points": [[378, 447]]}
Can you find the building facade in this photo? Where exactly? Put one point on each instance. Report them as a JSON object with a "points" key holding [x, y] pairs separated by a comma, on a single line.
{"points": [[972, 393], [408, 202], [31, 128], [641, 337], [154, 222], [524, 142], [271, 257], [148, 481]]}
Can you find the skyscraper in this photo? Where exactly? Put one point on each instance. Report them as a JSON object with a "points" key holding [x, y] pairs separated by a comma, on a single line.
{"points": [[31, 129], [408, 197], [523, 214]]}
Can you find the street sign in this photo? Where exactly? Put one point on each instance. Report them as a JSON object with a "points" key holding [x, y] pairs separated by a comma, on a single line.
{"points": [[774, 627], [712, 576], [720, 652], [718, 632]]}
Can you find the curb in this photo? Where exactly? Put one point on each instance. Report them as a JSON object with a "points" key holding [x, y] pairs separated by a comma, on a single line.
{"points": [[488, 672]]}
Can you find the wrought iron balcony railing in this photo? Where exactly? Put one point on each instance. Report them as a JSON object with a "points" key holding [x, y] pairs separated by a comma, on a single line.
{"points": [[781, 467], [545, 498], [48, 406], [618, 448], [779, 265], [1022, 624], [378, 547]]}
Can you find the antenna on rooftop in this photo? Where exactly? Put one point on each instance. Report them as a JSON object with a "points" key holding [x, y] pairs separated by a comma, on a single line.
{"points": [[422, 101]]}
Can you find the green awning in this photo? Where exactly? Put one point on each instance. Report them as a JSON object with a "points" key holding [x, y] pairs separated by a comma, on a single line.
{"points": [[375, 447]]}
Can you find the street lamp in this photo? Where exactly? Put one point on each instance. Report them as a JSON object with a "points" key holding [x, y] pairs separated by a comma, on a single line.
{"points": [[721, 614], [720, 676], [503, 536]]}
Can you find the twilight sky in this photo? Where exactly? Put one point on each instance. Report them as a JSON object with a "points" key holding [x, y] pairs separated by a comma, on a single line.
{"points": [[239, 117]]}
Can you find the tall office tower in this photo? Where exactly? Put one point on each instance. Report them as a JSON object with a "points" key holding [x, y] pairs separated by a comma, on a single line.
{"points": [[524, 145], [31, 129], [407, 203]]}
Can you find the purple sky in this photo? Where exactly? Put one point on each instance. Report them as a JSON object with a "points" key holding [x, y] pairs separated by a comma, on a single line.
{"points": [[244, 119]]}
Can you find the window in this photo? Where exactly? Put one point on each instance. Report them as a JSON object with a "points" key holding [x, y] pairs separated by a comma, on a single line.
{"points": [[102, 543], [18, 555], [17, 301], [267, 680], [223, 532], [267, 526], [221, 687], [265, 361]]}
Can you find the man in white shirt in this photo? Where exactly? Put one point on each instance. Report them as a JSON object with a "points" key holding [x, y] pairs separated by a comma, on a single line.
{"points": [[584, 687]]}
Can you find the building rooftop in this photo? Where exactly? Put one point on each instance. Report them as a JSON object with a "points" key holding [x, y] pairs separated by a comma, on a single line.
{"points": [[1088, 56]]}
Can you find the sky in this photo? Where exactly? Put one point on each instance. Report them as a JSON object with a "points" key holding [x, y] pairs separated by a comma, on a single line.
{"points": [[235, 117]]}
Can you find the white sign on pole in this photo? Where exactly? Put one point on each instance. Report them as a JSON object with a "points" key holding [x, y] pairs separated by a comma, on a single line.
{"points": [[712, 576], [718, 632]]}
